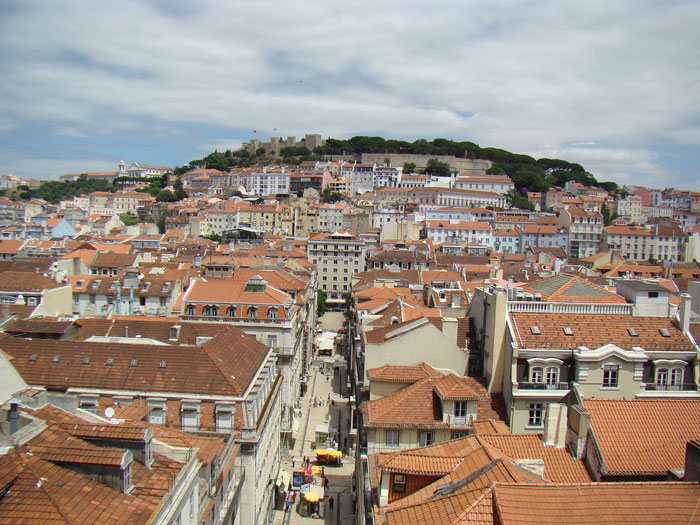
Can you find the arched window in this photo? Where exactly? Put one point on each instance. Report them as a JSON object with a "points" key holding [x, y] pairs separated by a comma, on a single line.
{"points": [[190, 310], [231, 312], [252, 312], [552, 376], [211, 311], [536, 374], [272, 313]]}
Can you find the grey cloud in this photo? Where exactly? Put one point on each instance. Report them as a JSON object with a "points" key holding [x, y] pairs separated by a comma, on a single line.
{"points": [[525, 76]]}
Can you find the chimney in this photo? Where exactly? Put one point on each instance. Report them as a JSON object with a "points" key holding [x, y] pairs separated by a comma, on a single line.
{"points": [[685, 312]]}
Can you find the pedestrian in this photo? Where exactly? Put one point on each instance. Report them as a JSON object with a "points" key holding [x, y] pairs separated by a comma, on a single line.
{"points": [[330, 503], [293, 461], [294, 498], [286, 505], [332, 402]]}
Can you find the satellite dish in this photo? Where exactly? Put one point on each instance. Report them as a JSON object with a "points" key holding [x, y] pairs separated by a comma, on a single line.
{"points": [[109, 412]]}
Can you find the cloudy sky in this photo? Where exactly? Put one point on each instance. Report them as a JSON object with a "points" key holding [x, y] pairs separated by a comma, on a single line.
{"points": [[614, 86]]}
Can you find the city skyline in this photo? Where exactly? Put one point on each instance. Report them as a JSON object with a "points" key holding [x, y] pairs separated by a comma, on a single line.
{"points": [[611, 87]]}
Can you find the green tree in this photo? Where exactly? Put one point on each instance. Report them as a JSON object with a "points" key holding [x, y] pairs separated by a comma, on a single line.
{"points": [[608, 216], [518, 200], [165, 196], [328, 196], [129, 219], [320, 303], [180, 193], [409, 167], [214, 237], [438, 167]]}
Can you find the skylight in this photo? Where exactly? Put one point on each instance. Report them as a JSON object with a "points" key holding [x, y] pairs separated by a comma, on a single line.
{"points": [[535, 330], [664, 332], [568, 330], [134, 362], [632, 332], [110, 361], [86, 361]]}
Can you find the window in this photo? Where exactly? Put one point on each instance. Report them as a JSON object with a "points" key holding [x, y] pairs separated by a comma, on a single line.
{"points": [[272, 341], [89, 404], [536, 374], [456, 434], [211, 311], [662, 377], [391, 438], [676, 378], [224, 420], [252, 312], [460, 409], [610, 373], [552, 376], [399, 484], [425, 438], [126, 478], [534, 415], [231, 312], [272, 313], [157, 416], [190, 417], [190, 310]]}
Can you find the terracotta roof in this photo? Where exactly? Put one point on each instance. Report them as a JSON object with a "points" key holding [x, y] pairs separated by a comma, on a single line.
{"points": [[451, 386], [571, 289], [158, 328], [112, 260], [402, 373], [219, 291], [26, 282], [380, 335], [596, 503], [638, 436], [38, 326], [414, 405], [225, 365], [559, 465], [43, 492], [596, 330], [490, 427]]}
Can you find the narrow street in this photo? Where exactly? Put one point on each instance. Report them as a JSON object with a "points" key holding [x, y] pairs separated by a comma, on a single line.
{"points": [[326, 391]]}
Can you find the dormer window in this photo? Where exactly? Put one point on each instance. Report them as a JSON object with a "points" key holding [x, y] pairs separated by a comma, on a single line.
{"points": [[96, 284], [252, 312], [231, 312], [272, 313], [190, 310]]}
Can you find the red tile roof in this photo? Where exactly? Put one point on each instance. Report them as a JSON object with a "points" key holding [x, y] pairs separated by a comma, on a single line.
{"points": [[225, 365], [643, 436], [43, 492], [602, 503], [596, 330]]}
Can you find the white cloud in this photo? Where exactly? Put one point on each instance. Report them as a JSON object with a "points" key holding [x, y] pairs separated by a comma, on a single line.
{"points": [[518, 75]]}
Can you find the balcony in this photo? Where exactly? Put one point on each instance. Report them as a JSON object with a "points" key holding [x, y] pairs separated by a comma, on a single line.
{"points": [[569, 308], [460, 421], [685, 387], [543, 386]]}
